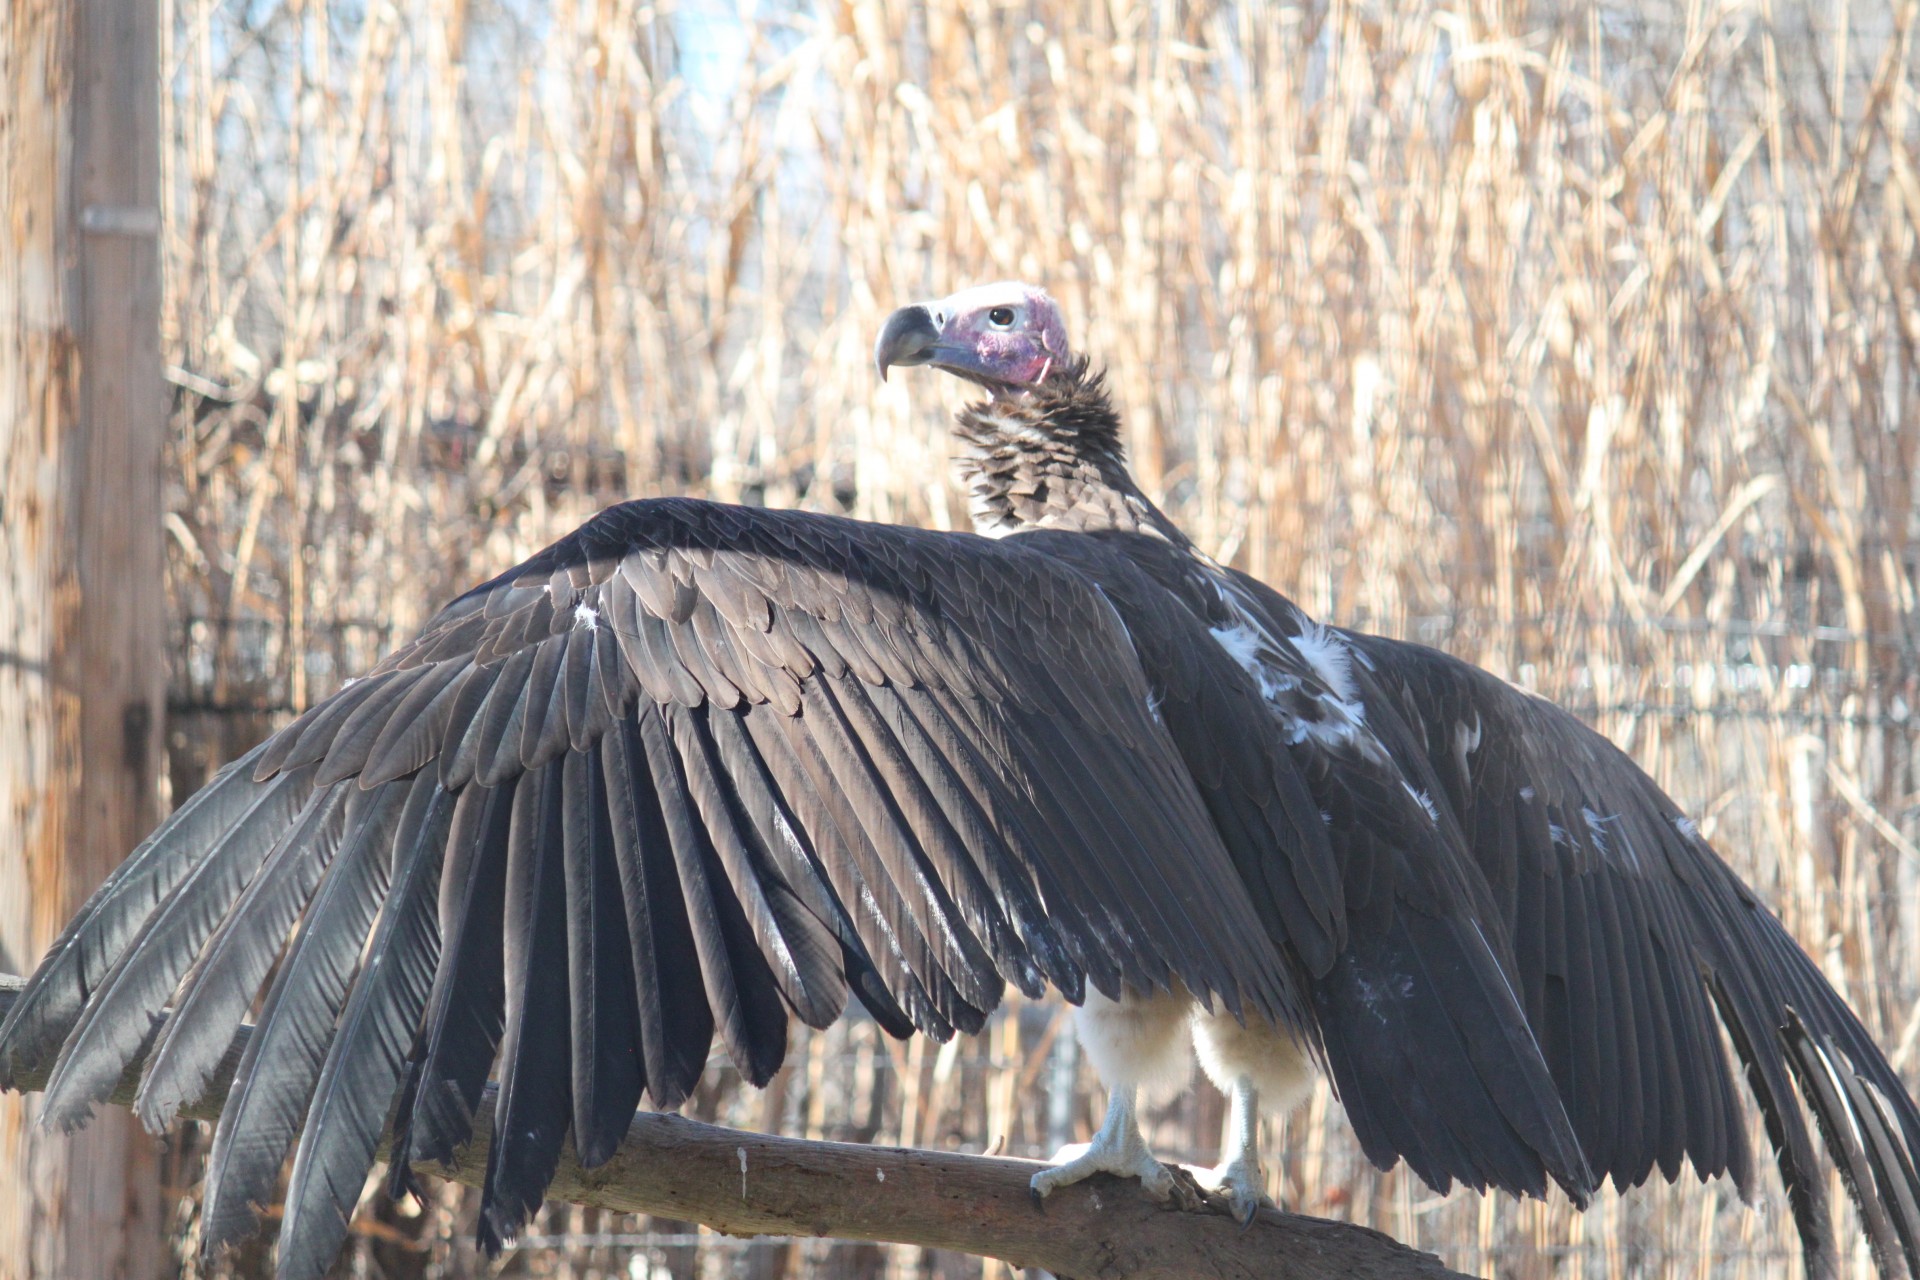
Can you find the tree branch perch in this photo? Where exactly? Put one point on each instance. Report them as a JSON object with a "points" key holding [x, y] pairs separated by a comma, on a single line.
{"points": [[747, 1184]]}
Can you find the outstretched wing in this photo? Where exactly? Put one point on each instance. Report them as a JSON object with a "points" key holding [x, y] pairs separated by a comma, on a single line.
{"points": [[690, 770], [1628, 934]]}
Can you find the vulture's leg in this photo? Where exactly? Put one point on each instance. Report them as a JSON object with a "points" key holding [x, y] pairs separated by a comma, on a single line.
{"points": [[1249, 1062], [1133, 1041], [1239, 1176]]}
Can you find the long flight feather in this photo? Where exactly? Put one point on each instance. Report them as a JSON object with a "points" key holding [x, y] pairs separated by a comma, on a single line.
{"points": [[282, 1061], [363, 1063], [77, 962], [120, 1017], [220, 989]]}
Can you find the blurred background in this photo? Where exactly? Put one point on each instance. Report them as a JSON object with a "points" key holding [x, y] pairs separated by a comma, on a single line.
{"points": [[1576, 339]]}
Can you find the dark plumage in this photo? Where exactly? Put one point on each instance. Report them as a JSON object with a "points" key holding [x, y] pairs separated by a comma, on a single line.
{"points": [[698, 769]]}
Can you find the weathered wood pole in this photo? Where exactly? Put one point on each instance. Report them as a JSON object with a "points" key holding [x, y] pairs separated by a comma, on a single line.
{"points": [[82, 622]]}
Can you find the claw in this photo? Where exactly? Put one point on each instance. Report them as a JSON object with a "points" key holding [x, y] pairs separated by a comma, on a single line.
{"points": [[1238, 1182]]}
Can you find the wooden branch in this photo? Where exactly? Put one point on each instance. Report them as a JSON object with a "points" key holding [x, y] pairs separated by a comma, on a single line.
{"points": [[748, 1184]]}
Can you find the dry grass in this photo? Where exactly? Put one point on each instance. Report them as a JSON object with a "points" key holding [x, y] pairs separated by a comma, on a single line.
{"points": [[1578, 340]]}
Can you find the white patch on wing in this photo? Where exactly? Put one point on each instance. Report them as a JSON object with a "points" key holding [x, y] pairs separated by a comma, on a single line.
{"points": [[1327, 657], [1248, 647], [1686, 826], [585, 617], [1331, 659], [1527, 793], [1424, 800]]}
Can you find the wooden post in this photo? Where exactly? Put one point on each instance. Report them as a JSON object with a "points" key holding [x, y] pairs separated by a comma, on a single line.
{"points": [[82, 621]]}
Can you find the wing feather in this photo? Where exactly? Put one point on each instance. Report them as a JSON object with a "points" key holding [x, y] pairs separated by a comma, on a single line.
{"points": [[94, 940], [532, 1109], [120, 1015], [219, 991], [283, 1058], [364, 1060], [465, 1011], [675, 1022], [607, 1073]]}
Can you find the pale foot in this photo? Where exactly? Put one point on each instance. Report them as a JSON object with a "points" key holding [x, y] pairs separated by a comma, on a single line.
{"points": [[1081, 1160], [1117, 1149], [1240, 1183]]}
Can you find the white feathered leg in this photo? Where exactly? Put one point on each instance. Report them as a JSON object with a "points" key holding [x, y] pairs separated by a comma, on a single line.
{"points": [[1248, 1063], [1131, 1042]]}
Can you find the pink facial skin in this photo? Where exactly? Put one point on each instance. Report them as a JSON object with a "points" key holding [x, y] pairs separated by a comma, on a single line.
{"points": [[1006, 336], [1019, 354]]}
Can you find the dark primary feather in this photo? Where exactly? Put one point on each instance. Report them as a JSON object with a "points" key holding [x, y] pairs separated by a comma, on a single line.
{"points": [[219, 992], [77, 962], [607, 1072], [466, 1007], [675, 1024], [275, 1081], [119, 1016], [363, 1064], [535, 1062]]}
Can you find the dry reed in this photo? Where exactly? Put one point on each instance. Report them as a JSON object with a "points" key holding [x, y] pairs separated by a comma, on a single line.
{"points": [[1578, 340]]}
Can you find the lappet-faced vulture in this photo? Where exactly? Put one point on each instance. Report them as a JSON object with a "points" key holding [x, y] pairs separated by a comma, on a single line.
{"points": [[698, 769]]}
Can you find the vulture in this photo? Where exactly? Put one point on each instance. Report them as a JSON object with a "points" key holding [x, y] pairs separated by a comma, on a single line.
{"points": [[696, 770]]}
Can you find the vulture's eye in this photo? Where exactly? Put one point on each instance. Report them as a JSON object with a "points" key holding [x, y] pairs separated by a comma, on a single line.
{"points": [[1000, 317]]}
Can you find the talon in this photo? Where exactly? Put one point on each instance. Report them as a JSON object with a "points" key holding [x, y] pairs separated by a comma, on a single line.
{"points": [[1238, 1183], [1156, 1181]]}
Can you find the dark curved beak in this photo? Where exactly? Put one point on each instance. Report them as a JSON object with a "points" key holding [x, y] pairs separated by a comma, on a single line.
{"points": [[908, 338]]}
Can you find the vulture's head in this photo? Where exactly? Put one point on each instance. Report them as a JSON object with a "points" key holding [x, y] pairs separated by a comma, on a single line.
{"points": [[1007, 336]]}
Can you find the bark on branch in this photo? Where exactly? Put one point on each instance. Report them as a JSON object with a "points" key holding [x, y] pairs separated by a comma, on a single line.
{"points": [[747, 1184]]}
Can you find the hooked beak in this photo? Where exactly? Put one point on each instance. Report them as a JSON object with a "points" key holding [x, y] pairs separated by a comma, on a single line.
{"points": [[909, 337]]}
